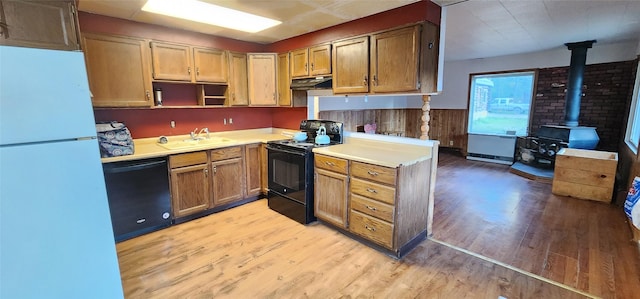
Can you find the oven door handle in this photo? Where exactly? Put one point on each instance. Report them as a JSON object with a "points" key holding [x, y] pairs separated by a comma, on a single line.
{"points": [[286, 151]]}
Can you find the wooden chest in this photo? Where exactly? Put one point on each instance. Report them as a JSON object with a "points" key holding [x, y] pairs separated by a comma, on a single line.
{"points": [[585, 174]]}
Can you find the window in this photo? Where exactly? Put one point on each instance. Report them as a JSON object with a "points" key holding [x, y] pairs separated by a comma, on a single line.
{"points": [[500, 104], [632, 135]]}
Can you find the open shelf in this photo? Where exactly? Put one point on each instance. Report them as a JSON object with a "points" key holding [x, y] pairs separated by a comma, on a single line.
{"points": [[212, 95]]}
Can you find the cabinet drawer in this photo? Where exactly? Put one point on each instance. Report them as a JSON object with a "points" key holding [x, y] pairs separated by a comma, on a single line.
{"points": [[226, 153], [372, 208], [187, 159], [371, 228], [376, 191], [374, 172], [331, 163]]}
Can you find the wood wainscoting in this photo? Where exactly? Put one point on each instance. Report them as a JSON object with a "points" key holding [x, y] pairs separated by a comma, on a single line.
{"points": [[449, 126], [402, 122]]}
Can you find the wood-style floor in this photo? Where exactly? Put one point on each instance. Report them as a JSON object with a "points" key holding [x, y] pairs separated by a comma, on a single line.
{"points": [[253, 252], [484, 208]]}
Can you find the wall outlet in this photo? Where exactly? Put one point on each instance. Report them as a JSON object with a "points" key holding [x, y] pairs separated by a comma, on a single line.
{"points": [[230, 120], [173, 123], [224, 121], [450, 142]]}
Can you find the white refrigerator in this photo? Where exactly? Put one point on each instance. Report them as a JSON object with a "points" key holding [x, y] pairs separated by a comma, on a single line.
{"points": [[56, 239]]}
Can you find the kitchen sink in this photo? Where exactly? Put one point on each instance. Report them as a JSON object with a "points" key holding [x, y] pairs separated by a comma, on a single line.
{"points": [[188, 143]]}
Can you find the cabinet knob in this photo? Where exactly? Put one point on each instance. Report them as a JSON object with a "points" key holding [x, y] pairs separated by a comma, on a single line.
{"points": [[189, 70], [371, 208], [369, 228], [371, 190], [366, 80], [312, 66], [375, 80], [305, 67], [206, 172], [148, 94], [373, 173], [215, 169], [197, 71]]}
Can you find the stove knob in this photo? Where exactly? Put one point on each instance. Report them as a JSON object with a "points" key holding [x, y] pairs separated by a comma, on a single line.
{"points": [[550, 153]]}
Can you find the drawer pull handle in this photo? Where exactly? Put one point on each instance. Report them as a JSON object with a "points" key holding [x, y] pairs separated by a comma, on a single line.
{"points": [[373, 173], [329, 163], [372, 190], [373, 229], [371, 208]]}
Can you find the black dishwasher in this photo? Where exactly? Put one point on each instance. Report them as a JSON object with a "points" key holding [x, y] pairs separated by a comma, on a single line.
{"points": [[139, 198]]}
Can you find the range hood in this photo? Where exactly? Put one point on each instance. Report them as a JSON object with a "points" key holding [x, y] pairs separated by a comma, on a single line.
{"points": [[311, 83]]}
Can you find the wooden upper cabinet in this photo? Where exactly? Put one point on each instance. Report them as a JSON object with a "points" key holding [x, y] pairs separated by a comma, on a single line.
{"points": [[394, 60], [320, 60], [351, 65], [210, 65], [429, 54], [238, 91], [262, 79], [118, 70], [300, 63], [284, 80], [171, 61], [39, 24], [312, 61]]}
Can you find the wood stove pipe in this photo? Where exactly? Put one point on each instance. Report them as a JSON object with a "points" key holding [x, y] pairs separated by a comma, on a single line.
{"points": [[574, 81]]}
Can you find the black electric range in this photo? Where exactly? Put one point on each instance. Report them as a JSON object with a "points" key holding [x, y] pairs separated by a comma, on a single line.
{"points": [[290, 167]]}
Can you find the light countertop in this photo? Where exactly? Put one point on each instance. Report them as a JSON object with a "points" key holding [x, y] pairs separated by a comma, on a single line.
{"points": [[149, 147], [389, 154], [384, 153]]}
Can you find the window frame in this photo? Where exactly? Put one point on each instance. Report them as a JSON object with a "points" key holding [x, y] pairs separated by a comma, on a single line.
{"points": [[502, 73], [634, 116]]}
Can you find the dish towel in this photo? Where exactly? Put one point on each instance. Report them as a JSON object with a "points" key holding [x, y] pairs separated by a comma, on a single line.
{"points": [[631, 205]]}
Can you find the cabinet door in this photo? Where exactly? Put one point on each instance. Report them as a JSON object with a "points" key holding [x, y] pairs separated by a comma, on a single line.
{"points": [[429, 52], [320, 60], [394, 60], [238, 93], [351, 65], [300, 63], [262, 79], [171, 62], [331, 197], [39, 24], [252, 169], [211, 65], [118, 70], [284, 80], [190, 190], [264, 175], [227, 181]]}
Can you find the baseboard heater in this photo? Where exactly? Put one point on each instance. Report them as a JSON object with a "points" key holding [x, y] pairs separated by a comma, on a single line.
{"points": [[491, 148]]}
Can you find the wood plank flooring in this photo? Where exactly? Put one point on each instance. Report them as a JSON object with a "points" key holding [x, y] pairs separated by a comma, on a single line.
{"points": [[254, 252], [484, 208]]}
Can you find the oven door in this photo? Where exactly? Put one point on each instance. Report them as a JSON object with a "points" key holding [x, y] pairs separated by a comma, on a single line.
{"points": [[288, 172]]}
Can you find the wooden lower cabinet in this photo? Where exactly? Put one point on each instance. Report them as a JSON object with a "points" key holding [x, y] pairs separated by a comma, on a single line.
{"points": [[208, 180], [264, 174], [189, 183], [331, 190], [227, 180], [252, 158], [386, 206]]}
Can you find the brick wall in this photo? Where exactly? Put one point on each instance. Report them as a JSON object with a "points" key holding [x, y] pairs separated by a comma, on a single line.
{"points": [[605, 97]]}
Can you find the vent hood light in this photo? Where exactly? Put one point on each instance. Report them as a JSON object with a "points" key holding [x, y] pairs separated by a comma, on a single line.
{"points": [[202, 12]]}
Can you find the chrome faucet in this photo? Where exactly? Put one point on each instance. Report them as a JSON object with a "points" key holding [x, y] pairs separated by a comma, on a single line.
{"points": [[195, 135]]}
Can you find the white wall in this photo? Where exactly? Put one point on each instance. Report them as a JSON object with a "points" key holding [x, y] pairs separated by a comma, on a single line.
{"points": [[456, 73]]}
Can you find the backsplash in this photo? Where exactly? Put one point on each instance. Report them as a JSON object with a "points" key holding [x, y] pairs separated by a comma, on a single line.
{"points": [[144, 123]]}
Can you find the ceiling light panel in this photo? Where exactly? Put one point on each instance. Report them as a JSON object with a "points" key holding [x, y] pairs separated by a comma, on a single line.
{"points": [[202, 12]]}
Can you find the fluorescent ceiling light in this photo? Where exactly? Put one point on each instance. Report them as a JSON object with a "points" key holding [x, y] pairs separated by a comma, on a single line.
{"points": [[202, 12]]}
